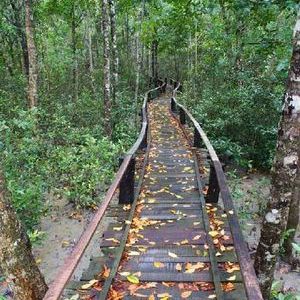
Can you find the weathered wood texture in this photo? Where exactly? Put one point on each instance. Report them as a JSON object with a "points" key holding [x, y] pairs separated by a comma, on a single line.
{"points": [[171, 239]]}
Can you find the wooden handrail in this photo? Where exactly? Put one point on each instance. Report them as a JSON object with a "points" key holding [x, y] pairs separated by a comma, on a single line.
{"points": [[249, 278], [57, 286]]}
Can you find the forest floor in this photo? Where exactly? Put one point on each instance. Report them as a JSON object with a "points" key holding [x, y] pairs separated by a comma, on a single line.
{"points": [[63, 227], [251, 193]]}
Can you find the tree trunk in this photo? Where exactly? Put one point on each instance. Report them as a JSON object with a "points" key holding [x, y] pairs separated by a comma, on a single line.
{"points": [[138, 64], [16, 259], [293, 221], [127, 37], [106, 67], [149, 65], [21, 34], [154, 61], [90, 58], [32, 59], [284, 173], [114, 50], [74, 52]]}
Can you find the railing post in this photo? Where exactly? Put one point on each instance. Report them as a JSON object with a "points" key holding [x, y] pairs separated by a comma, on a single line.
{"points": [[182, 116], [144, 142], [197, 138], [212, 195], [126, 188], [173, 105]]}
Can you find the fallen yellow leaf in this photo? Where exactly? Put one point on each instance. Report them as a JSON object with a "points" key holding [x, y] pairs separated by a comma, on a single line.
{"points": [[151, 200], [124, 273], [231, 278], [133, 253], [186, 294], [171, 254], [133, 279], [117, 228], [158, 264], [113, 240], [164, 295], [213, 233], [89, 285], [178, 267]]}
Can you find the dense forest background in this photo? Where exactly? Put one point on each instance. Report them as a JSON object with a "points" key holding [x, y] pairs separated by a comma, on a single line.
{"points": [[231, 56]]}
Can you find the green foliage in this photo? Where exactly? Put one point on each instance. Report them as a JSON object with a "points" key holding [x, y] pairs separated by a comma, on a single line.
{"points": [[36, 237], [296, 247], [233, 58], [278, 294], [55, 150], [231, 55], [60, 148], [21, 152], [286, 234]]}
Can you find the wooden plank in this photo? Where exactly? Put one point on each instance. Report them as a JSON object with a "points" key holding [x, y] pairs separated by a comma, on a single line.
{"points": [[250, 279]]}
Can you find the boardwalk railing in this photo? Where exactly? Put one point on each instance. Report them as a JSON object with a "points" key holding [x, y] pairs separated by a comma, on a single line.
{"points": [[218, 184], [121, 181]]}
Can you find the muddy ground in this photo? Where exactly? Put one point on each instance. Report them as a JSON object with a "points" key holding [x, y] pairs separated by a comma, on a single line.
{"points": [[250, 193]]}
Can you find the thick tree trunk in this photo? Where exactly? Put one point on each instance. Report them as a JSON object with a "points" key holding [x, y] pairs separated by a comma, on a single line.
{"points": [[16, 259], [293, 221], [32, 58], [114, 50], [284, 173], [106, 67]]}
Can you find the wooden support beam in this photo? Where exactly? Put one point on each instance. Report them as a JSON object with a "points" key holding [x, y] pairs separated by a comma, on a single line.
{"points": [[197, 138], [144, 142], [213, 186], [173, 105], [126, 188], [182, 116]]}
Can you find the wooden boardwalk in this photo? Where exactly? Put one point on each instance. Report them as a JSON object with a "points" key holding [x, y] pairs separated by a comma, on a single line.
{"points": [[168, 244], [167, 239]]}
